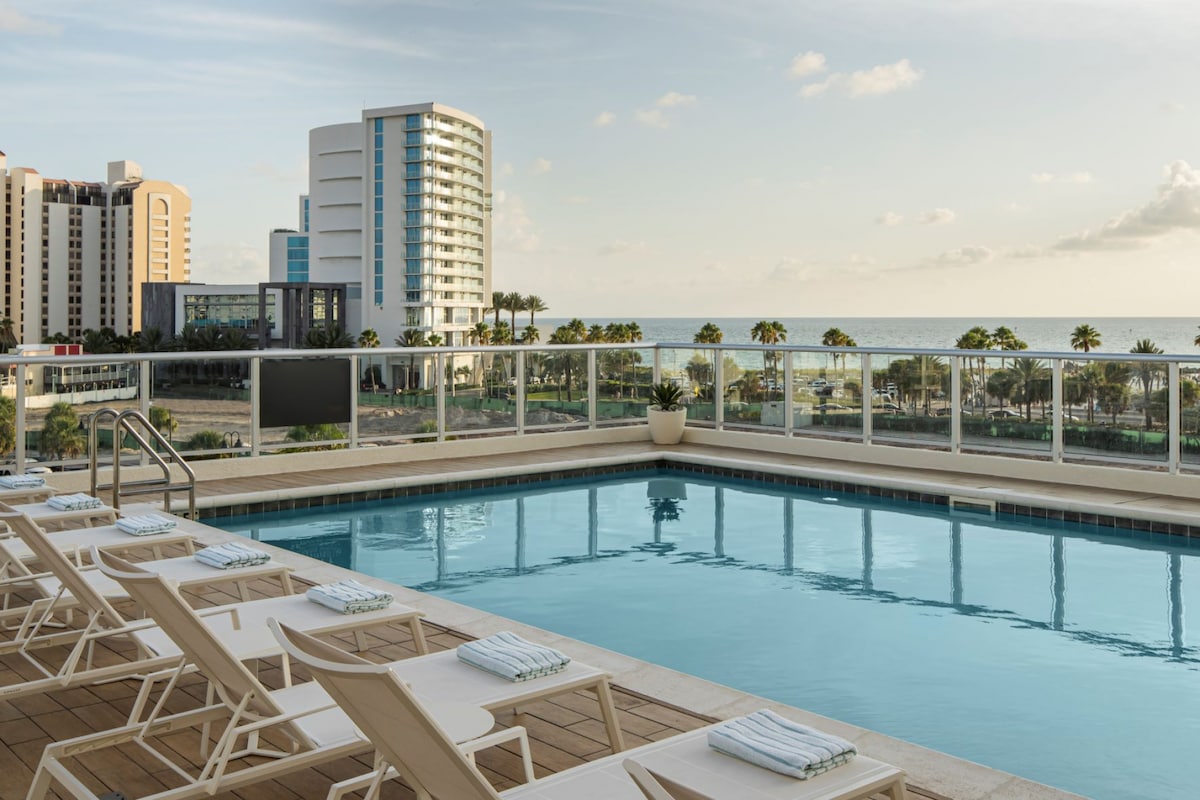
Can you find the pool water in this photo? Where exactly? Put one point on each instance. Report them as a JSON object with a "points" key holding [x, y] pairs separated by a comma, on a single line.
{"points": [[1055, 651]]}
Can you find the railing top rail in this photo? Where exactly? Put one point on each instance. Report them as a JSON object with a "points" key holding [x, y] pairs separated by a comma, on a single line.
{"points": [[944, 352]]}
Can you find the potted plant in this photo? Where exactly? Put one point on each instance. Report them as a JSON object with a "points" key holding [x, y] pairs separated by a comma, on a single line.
{"points": [[665, 414]]}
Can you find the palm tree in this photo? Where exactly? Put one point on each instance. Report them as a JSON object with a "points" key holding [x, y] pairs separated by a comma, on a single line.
{"points": [[534, 305], [1113, 389], [496, 307], [514, 302], [1147, 371], [977, 338], [571, 333], [435, 340], [530, 335], [1031, 377], [481, 333], [1087, 338], [330, 338], [8, 338], [369, 340], [411, 337], [769, 333], [836, 337], [708, 334]]}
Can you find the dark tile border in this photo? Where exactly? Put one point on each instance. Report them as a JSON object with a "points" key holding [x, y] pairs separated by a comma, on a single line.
{"points": [[434, 486]]}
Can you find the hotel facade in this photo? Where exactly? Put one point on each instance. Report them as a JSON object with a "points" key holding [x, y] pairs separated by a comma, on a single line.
{"points": [[398, 209], [77, 253]]}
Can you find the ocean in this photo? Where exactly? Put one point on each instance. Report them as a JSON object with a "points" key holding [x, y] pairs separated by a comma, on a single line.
{"points": [[1174, 335]]}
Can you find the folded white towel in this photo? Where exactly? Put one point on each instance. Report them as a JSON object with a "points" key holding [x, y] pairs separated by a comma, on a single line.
{"points": [[146, 524], [74, 502], [231, 555], [349, 597], [768, 740], [509, 656], [22, 481]]}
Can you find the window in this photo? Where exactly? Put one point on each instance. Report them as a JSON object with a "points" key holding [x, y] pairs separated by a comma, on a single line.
{"points": [[379, 124]]}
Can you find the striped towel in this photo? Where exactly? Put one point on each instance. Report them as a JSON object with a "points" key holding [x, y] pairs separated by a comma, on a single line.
{"points": [[768, 740], [231, 555], [349, 597], [22, 481], [145, 524], [509, 656], [74, 502]]}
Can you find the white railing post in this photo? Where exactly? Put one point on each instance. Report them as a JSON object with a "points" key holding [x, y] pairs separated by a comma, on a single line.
{"points": [[145, 389], [956, 405], [657, 367], [354, 402], [868, 399], [592, 389], [19, 422], [788, 395], [255, 395], [1060, 410], [1173, 418], [440, 366], [718, 389], [520, 370]]}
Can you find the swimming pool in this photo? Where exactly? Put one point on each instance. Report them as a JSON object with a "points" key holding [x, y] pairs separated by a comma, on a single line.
{"points": [[1055, 651]]}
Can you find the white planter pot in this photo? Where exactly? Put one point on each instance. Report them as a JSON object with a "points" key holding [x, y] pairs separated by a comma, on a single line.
{"points": [[666, 427]]}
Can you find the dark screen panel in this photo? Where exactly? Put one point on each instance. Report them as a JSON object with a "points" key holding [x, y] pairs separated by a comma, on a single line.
{"points": [[310, 391]]}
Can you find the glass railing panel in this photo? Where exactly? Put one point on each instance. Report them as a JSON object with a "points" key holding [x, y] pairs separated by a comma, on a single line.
{"points": [[1007, 403], [622, 383], [397, 397], [202, 406], [59, 403], [693, 371], [487, 398], [1189, 412], [905, 395], [556, 388], [1119, 417], [314, 433], [827, 397], [751, 395]]}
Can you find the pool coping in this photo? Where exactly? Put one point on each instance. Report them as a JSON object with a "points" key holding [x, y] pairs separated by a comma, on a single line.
{"points": [[1007, 500], [948, 775]]}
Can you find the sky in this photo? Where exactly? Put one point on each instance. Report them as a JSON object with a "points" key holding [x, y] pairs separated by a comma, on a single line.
{"points": [[759, 158]]}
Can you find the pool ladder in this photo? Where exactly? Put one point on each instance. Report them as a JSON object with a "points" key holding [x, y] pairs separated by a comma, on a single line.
{"points": [[133, 423]]}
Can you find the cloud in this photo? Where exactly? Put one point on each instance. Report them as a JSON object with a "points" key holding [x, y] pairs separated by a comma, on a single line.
{"points": [[672, 99], [1172, 106], [578, 200], [604, 119], [512, 226], [889, 218], [790, 268], [967, 256], [1175, 209], [1079, 177], [541, 166], [621, 246], [268, 171], [13, 21], [806, 64], [938, 216], [883, 79], [505, 170], [1041, 177], [653, 118]]}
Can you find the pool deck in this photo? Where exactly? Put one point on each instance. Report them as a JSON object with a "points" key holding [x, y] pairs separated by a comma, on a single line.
{"points": [[653, 702]]}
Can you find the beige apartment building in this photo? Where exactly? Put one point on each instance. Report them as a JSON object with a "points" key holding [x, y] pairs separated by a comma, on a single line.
{"points": [[76, 253]]}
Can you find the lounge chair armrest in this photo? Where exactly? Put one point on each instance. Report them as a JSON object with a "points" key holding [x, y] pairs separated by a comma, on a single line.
{"points": [[213, 611]]}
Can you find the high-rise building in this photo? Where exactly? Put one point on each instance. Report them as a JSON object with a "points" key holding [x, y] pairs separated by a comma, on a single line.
{"points": [[77, 253], [399, 209]]}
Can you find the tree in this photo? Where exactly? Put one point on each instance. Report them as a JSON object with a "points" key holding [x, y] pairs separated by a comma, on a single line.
{"points": [[836, 337], [534, 305], [369, 340], [61, 435], [1033, 380], [315, 433], [8, 337], [435, 340], [163, 421], [1113, 388], [496, 307], [8, 425], [530, 335], [1146, 372], [514, 302], [769, 333], [977, 338], [411, 337], [566, 362], [327, 338], [708, 334], [1087, 338]]}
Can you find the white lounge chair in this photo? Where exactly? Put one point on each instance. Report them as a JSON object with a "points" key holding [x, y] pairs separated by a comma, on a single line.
{"points": [[303, 714], [31, 494], [75, 543], [683, 767], [241, 625], [54, 597], [48, 516]]}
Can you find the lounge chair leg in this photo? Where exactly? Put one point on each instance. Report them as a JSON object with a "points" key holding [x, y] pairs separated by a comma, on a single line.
{"points": [[418, 634], [609, 711]]}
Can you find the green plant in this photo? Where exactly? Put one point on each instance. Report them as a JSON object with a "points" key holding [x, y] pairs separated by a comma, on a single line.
{"points": [[665, 396]]}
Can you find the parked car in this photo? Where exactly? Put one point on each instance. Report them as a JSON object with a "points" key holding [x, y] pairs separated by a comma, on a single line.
{"points": [[1005, 413], [832, 407], [890, 407]]}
